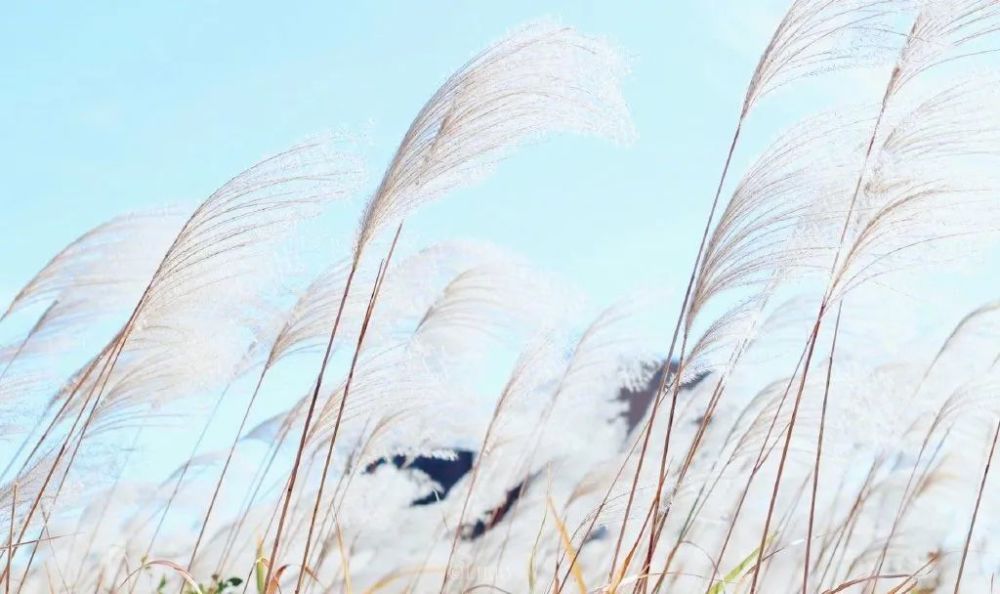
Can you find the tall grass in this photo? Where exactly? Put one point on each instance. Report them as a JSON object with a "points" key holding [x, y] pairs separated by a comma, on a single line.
{"points": [[638, 450]]}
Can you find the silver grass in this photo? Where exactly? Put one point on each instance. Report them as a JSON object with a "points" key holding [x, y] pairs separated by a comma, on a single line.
{"points": [[540, 79], [105, 266], [816, 36]]}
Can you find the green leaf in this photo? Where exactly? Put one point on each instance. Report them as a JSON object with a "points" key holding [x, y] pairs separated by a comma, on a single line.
{"points": [[720, 586]]}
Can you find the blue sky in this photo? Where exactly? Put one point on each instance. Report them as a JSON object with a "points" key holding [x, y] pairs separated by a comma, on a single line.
{"points": [[122, 106], [113, 107], [110, 107]]}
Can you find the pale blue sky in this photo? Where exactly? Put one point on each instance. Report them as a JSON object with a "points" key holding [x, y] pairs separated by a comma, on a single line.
{"points": [[109, 107], [115, 107]]}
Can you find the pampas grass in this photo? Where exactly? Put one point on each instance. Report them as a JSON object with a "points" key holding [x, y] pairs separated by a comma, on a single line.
{"points": [[463, 424]]}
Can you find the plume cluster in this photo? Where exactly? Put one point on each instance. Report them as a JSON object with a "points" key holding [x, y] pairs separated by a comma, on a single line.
{"points": [[448, 418]]}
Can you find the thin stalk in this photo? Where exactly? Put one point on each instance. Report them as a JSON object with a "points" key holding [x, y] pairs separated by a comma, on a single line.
{"points": [[44, 536], [3, 374], [109, 366], [343, 403], [183, 474], [473, 477], [312, 409], [785, 521], [655, 514], [824, 304], [248, 503], [762, 455], [673, 341], [819, 452], [343, 483], [828, 537], [59, 489], [811, 349], [117, 346], [846, 532], [225, 468], [65, 443], [975, 511], [10, 536], [604, 501], [308, 421], [705, 490], [104, 509], [910, 489], [62, 409]]}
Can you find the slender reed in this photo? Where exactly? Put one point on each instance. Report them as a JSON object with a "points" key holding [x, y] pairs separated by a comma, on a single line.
{"points": [[975, 510]]}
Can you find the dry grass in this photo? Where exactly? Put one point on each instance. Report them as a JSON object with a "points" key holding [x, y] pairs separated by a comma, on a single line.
{"points": [[597, 466]]}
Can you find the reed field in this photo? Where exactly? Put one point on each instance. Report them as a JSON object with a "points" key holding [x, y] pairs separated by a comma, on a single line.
{"points": [[443, 414]]}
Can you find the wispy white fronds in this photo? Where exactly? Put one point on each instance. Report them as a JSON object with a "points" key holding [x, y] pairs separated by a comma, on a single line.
{"points": [[218, 243], [540, 79], [776, 224], [931, 183], [945, 31], [105, 265], [307, 322], [822, 35], [972, 347]]}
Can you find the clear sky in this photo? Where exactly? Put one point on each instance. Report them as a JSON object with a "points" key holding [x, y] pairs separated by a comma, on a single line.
{"points": [[111, 107], [108, 107]]}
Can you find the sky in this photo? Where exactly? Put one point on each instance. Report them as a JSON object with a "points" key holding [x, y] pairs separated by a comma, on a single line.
{"points": [[110, 107], [121, 107]]}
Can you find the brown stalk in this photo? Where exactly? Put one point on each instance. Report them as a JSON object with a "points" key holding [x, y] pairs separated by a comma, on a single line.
{"points": [[824, 304], [696, 442], [830, 535], [116, 347], [337, 500], [48, 540], [312, 408], [706, 490], [785, 448], [76, 449], [762, 456], [225, 468], [508, 389], [10, 536], [308, 420], [183, 474], [62, 409], [65, 444], [62, 479], [783, 524], [596, 514], [468, 496], [758, 81], [819, 453], [975, 511], [657, 522], [663, 382], [104, 509], [274, 513], [17, 353], [537, 435], [909, 491], [343, 403], [846, 531], [248, 503], [855, 582], [332, 512], [44, 536]]}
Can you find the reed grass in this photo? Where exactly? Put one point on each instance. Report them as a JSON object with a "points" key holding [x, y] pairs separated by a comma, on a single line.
{"points": [[604, 462]]}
